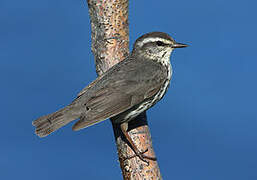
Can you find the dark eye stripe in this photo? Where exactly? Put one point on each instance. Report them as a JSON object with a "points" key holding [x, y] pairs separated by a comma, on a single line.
{"points": [[159, 43]]}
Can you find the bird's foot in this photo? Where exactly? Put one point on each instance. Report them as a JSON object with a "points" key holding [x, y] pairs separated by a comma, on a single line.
{"points": [[142, 156]]}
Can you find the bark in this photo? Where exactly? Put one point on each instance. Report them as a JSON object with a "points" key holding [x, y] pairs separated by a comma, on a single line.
{"points": [[110, 40]]}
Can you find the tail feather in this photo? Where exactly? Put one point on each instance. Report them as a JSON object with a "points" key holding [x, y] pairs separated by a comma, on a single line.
{"points": [[45, 125]]}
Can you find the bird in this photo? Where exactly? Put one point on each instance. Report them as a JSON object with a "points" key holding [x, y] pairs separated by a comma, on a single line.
{"points": [[127, 89]]}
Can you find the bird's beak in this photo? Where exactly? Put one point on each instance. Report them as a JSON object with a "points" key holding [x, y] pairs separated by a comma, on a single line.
{"points": [[178, 45]]}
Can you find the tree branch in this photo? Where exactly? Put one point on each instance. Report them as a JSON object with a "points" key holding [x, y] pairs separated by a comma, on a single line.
{"points": [[110, 40]]}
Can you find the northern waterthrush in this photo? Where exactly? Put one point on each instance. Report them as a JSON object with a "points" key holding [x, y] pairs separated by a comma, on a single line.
{"points": [[123, 92]]}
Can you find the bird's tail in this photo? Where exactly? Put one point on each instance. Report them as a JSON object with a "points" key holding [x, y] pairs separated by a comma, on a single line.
{"points": [[45, 125]]}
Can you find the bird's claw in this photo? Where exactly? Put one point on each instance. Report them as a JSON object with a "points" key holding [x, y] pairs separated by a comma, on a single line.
{"points": [[143, 157]]}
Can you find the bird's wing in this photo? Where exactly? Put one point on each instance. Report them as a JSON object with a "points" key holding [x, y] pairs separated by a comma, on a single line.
{"points": [[119, 92], [89, 86]]}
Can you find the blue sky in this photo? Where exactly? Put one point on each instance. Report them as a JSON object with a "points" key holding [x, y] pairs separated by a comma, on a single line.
{"points": [[204, 128]]}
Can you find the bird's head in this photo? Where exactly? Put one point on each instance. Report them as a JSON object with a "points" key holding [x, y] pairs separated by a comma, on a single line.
{"points": [[156, 46]]}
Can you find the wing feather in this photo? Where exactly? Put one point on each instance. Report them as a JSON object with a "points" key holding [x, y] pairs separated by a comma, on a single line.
{"points": [[118, 90]]}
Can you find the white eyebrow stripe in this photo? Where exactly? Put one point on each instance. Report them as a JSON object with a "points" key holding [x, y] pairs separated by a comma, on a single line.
{"points": [[155, 39]]}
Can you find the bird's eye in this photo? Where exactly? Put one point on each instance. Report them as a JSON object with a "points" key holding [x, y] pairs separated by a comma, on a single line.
{"points": [[159, 43]]}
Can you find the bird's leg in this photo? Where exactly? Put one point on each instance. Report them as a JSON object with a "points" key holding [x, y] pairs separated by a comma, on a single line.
{"points": [[124, 128]]}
